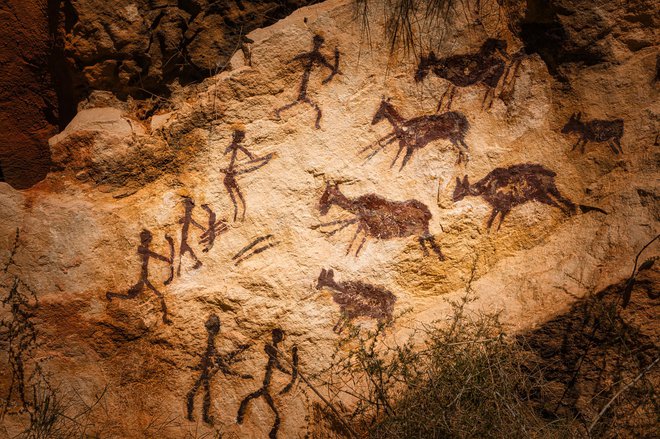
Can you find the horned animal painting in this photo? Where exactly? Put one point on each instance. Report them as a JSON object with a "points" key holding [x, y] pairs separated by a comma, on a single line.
{"points": [[595, 130], [506, 188], [357, 299], [418, 132], [309, 60], [379, 218], [483, 67]]}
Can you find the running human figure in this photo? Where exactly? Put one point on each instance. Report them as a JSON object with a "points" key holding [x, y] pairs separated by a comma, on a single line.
{"points": [[211, 363], [264, 392], [146, 254], [208, 236], [232, 171], [308, 60]]}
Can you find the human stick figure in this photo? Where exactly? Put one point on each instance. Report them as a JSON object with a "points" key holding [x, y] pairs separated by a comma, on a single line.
{"points": [[265, 391], [308, 61], [146, 254], [232, 171], [208, 237], [210, 364]]}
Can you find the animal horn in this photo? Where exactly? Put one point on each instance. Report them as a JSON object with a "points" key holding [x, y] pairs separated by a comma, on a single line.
{"points": [[578, 115], [465, 181]]}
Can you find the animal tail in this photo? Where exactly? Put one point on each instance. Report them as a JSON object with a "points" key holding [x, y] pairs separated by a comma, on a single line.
{"points": [[586, 209]]}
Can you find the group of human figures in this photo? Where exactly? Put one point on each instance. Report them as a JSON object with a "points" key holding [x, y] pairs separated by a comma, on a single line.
{"points": [[212, 362]]}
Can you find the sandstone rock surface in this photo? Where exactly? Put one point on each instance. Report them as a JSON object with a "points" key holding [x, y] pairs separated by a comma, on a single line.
{"points": [[231, 225]]}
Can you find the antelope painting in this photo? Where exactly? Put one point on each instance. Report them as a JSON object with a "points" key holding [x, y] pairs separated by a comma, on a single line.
{"points": [[483, 67], [357, 299], [419, 131], [506, 188], [379, 218], [596, 130]]}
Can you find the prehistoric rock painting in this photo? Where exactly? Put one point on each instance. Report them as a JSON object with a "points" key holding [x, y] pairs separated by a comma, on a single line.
{"points": [[419, 131], [506, 188], [232, 171], [264, 392], [308, 61], [257, 246], [357, 299], [146, 254], [18, 336], [596, 130], [210, 364], [208, 235], [379, 218], [484, 67]]}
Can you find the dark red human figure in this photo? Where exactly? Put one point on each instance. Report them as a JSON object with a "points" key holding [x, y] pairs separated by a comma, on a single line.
{"points": [[231, 172], [211, 363], [309, 60], [208, 237], [264, 392], [146, 254]]}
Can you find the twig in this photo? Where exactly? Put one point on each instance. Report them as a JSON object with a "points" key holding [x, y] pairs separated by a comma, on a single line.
{"points": [[626, 387]]}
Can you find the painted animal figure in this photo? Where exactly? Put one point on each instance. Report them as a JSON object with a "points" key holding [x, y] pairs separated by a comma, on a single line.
{"points": [[379, 218], [483, 67], [596, 130], [419, 131], [506, 188], [357, 299]]}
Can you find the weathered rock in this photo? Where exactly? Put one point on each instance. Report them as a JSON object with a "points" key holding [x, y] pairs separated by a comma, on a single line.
{"points": [[244, 212]]}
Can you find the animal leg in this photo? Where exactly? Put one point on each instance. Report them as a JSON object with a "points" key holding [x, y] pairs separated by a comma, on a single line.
{"points": [[612, 147], [358, 230], [339, 326], [442, 98], [489, 93], [576, 144], [422, 244], [584, 143], [409, 153], [617, 142], [381, 147], [434, 246], [364, 239], [402, 145], [451, 97], [503, 213], [570, 207], [493, 214]]}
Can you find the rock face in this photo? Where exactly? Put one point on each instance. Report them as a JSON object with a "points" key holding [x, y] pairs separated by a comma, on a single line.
{"points": [[28, 103], [166, 248]]}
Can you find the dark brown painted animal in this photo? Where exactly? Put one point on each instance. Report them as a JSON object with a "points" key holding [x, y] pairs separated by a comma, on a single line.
{"points": [[596, 130], [357, 299], [506, 188], [483, 67], [379, 218], [419, 131]]}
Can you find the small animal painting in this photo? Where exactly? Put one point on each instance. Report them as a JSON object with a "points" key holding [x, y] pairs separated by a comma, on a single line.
{"points": [[596, 130], [357, 299], [418, 132], [506, 188], [379, 218], [308, 61], [483, 67]]}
